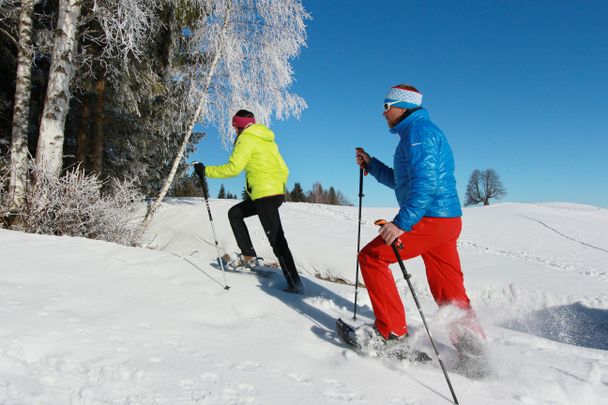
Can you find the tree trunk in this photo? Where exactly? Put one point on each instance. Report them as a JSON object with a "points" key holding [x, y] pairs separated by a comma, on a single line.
{"points": [[98, 121], [82, 139], [21, 112], [197, 114], [49, 152]]}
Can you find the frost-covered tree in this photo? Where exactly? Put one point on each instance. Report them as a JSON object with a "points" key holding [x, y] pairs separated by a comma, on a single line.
{"points": [[243, 50], [124, 85], [483, 186], [255, 71], [117, 49], [143, 75], [147, 110]]}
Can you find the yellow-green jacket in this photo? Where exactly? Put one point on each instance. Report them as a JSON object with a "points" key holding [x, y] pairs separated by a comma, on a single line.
{"points": [[257, 153]]}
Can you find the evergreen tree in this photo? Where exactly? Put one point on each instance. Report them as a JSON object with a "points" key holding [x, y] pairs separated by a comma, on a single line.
{"points": [[332, 198], [244, 194], [222, 193], [297, 194]]}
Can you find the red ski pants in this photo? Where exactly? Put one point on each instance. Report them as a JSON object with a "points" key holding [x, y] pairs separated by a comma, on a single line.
{"points": [[435, 240]]}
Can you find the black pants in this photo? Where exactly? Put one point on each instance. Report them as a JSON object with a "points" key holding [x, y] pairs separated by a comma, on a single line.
{"points": [[267, 209]]}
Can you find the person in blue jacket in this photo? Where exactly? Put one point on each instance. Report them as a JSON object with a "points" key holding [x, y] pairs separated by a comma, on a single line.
{"points": [[428, 223]]}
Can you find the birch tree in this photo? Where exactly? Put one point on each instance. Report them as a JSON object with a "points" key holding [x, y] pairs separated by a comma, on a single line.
{"points": [[244, 48], [111, 34], [49, 152], [19, 144]]}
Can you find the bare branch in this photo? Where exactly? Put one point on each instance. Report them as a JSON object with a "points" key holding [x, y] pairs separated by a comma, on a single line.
{"points": [[9, 36]]}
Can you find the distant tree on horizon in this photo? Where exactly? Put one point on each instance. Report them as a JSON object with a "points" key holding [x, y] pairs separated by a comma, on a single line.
{"points": [[483, 186], [331, 196], [222, 192], [318, 195], [297, 193]]}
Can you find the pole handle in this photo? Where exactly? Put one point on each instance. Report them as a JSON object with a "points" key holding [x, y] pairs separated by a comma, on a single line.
{"points": [[397, 243], [363, 167]]}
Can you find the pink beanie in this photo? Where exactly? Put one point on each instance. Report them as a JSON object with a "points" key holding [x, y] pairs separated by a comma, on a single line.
{"points": [[242, 122]]}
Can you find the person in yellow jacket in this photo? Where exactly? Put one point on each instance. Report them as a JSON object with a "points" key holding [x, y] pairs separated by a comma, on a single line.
{"points": [[256, 152]]}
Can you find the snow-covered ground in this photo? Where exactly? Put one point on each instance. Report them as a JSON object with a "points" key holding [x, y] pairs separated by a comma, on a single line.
{"points": [[88, 322]]}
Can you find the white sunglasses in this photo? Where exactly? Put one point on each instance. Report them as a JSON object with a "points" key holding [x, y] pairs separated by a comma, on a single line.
{"points": [[387, 106]]}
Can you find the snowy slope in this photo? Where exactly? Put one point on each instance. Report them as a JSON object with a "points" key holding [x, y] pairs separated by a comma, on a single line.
{"points": [[88, 322]]}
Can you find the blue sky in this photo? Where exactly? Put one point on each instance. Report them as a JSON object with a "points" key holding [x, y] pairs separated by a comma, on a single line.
{"points": [[518, 86]]}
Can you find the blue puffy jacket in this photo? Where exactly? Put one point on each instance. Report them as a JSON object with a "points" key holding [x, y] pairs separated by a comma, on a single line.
{"points": [[423, 174]]}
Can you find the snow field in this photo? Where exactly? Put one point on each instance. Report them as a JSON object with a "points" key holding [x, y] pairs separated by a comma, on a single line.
{"points": [[88, 322]]}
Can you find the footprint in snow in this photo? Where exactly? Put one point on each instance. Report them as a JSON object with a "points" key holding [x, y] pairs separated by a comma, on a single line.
{"points": [[345, 396], [247, 365], [211, 378], [333, 382], [243, 393], [185, 383], [298, 377]]}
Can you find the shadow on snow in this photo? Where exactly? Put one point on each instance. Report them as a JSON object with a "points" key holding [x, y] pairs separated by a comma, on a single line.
{"points": [[573, 324], [272, 282]]}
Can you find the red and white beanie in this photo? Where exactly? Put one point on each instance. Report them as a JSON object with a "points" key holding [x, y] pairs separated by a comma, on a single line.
{"points": [[403, 98]]}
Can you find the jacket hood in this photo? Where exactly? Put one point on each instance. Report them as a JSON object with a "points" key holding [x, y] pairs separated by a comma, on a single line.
{"points": [[415, 116], [260, 131]]}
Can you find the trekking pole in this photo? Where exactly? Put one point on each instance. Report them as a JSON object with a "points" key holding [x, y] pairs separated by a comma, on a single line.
{"points": [[361, 195], [397, 245], [217, 244]]}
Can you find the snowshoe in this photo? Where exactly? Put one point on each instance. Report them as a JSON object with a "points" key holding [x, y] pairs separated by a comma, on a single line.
{"points": [[473, 358], [368, 342], [246, 264]]}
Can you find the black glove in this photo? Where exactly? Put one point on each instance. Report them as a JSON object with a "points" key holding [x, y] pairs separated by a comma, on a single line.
{"points": [[199, 169]]}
